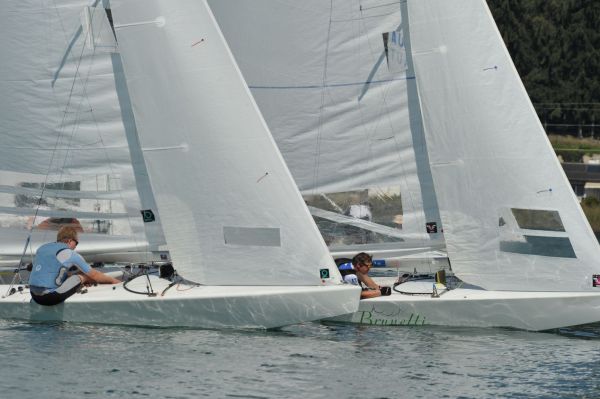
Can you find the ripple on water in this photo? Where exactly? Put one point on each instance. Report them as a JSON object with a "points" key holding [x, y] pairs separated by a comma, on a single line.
{"points": [[311, 360]]}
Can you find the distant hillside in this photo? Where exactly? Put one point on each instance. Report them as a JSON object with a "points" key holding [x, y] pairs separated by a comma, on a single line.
{"points": [[555, 45]]}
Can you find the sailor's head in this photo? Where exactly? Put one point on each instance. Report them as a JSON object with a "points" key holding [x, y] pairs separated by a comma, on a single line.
{"points": [[67, 235], [362, 262]]}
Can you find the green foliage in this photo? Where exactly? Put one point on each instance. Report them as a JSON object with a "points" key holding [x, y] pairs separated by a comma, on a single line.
{"points": [[590, 202], [572, 149], [555, 45], [572, 143], [591, 208]]}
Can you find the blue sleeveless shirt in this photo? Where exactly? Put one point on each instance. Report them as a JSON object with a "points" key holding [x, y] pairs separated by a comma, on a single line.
{"points": [[48, 271]]}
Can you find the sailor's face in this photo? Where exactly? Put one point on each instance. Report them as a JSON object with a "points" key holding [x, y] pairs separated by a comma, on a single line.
{"points": [[364, 267]]}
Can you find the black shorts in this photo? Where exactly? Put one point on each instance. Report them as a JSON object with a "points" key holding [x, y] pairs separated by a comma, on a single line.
{"points": [[68, 288]]}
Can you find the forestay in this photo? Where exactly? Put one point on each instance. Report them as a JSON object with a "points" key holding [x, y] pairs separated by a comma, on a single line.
{"points": [[335, 82], [511, 220], [230, 211]]}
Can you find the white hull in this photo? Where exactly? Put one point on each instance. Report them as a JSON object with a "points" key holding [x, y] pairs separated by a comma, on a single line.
{"points": [[479, 308], [187, 306]]}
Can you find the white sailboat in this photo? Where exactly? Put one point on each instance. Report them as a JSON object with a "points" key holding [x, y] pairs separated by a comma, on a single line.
{"points": [[423, 95], [147, 95]]}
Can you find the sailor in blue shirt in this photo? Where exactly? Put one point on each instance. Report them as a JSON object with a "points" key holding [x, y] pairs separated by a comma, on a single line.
{"points": [[357, 272], [51, 281]]}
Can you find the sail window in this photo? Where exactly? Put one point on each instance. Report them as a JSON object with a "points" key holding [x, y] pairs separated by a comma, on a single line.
{"points": [[259, 236], [395, 51], [534, 219], [110, 21], [91, 203], [368, 216], [549, 239], [97, 28], [558, 247], [25, 199]]}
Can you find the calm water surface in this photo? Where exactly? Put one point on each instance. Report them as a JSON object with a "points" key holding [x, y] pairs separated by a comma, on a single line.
{"points": [[312, 360]]}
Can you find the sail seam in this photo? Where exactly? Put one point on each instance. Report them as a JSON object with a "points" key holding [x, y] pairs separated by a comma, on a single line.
{"points": [[361, 83]]}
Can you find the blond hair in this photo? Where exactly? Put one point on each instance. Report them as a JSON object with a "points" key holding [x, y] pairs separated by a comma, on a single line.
{"points": [[66, 233]]}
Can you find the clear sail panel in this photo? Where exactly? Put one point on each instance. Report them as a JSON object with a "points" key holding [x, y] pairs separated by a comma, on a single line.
{"points": [[91, 204], [358, 217], [533, 232]]}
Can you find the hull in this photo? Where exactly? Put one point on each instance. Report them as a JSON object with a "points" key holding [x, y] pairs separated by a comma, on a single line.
{"points": [[189, 306], [533, 311]]}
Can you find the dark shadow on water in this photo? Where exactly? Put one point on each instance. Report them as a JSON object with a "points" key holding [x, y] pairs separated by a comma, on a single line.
{"points": [[324, 330], [585, 331]]}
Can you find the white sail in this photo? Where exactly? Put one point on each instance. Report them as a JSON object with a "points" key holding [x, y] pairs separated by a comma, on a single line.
{"points": [[63, 126], [230, 210], [335, 83], [511, 219]]}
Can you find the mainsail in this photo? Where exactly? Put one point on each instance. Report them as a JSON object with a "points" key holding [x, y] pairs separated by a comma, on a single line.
{"points": [[511, 218], [65, 130], [335, 83]]}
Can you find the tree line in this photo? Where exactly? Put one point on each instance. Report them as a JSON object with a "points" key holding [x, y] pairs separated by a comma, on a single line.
{"points": [[555, 45]]}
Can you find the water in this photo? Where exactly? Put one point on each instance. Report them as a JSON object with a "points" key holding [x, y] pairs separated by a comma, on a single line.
{"points": [[311, 360]]}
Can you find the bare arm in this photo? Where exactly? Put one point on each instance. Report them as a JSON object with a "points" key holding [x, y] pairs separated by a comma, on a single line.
{"points": [[69, 257], [368, 281], [373, 291], [370, 294], [94, 276]]}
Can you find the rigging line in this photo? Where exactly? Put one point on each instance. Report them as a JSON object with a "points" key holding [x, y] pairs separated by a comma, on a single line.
{"points": [[28, 239], [368, 134], [189, 286], [85, 97], [53, 154], [420, 217], [385, 114], [329, 85], [104, 147], [148, 292], [149, 286], [362, 18], [134, 230], [84, 83], [381, 5], [561, 104], [322, 107]]}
